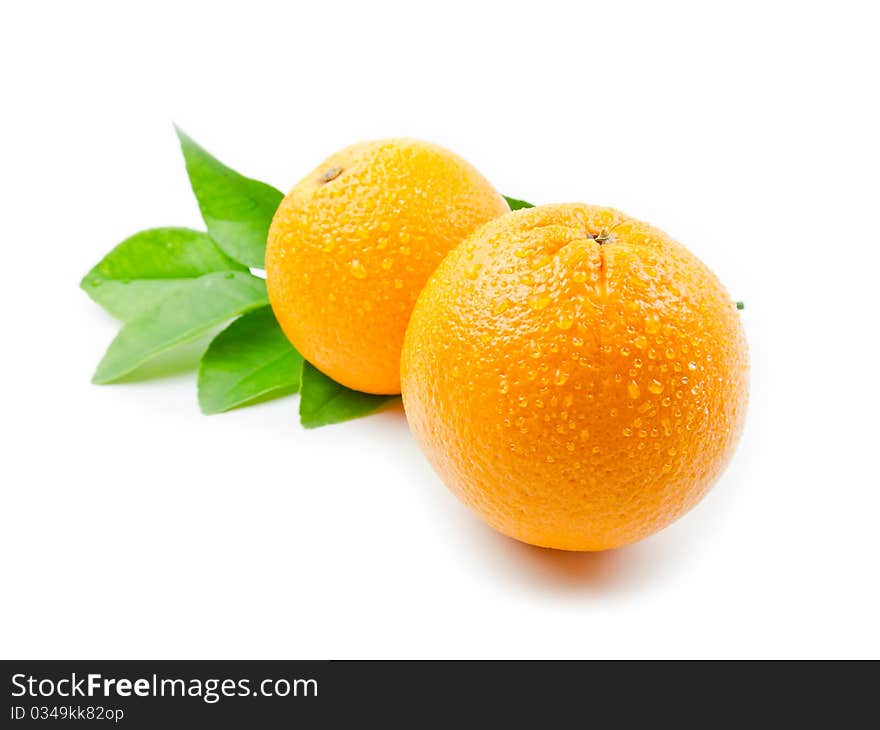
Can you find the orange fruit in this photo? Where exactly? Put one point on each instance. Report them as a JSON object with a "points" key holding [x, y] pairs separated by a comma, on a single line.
{"points": [[352, 244], [576, 377]]}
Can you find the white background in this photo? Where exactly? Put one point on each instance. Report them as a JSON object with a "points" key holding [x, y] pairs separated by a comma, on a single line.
{"points": [[131, 526]]}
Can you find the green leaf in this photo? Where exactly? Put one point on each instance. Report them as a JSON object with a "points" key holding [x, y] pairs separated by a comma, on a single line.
{"points": [[251, 360], [517, 204], [237, 210], [205, 303], [323, 401], [151, 266]]}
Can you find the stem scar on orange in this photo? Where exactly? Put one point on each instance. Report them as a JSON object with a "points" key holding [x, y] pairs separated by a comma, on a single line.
{"points": [[351, 247], [575, 376]]}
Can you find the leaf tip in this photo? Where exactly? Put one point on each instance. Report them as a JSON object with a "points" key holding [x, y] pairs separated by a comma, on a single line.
{"points": [[181, 135], [99, 378], [516, 203], [188, 146]]}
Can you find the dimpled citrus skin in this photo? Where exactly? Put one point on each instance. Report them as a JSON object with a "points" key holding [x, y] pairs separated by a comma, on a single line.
{"points": [[576, 377], [352, 244]]}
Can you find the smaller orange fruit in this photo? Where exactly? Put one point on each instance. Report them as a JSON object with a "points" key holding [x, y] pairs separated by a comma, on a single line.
{"points": [[352, 244], [576, 377]]}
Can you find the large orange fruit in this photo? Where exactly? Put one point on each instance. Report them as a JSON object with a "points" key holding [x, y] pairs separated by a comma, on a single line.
{"points": [[352, 244], [576, 377]]}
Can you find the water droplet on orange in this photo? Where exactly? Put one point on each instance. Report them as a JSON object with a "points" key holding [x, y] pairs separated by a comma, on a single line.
{"points": [[538, 301], [564, 322], [357, 269]]}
